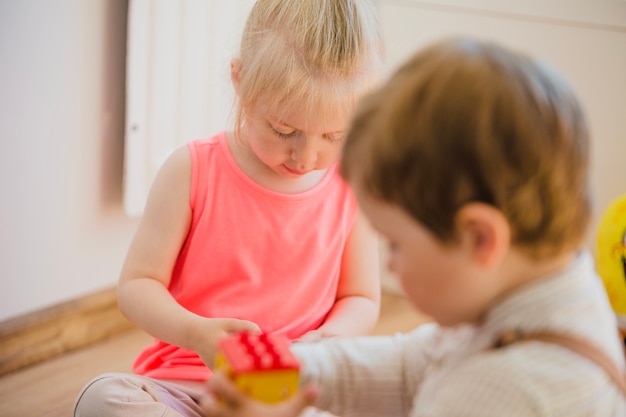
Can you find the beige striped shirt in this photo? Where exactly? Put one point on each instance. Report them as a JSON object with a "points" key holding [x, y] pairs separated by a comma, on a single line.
{"points": [[446, 372]]}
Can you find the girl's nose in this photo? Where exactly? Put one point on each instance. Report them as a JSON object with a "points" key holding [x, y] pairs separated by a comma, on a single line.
{"points": [[304, 153]]}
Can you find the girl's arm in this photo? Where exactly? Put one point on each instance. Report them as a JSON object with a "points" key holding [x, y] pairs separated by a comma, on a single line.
{"points": [[357, 306], [143, 294]]}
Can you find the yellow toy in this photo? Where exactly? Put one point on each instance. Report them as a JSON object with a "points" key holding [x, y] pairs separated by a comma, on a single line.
{"points": [[262, 366], [611, 257]]}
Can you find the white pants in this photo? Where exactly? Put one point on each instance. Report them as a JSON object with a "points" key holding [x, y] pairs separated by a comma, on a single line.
{"points": [[129, 395]]}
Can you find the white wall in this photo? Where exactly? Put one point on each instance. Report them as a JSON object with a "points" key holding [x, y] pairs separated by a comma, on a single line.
{"points": [[584, 39], [63, 232], [177, 81]]}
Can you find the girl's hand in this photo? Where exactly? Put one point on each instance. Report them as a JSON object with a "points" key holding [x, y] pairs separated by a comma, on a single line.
{"points": [[226, 400], [207, 332]]}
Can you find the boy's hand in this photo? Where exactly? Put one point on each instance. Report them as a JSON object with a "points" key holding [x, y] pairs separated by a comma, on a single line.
{"points": [[226, 400], [207, 332]]}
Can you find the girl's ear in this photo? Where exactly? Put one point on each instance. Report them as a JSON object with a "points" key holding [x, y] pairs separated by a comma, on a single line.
{"points": [[484, 232], [235, 72]]}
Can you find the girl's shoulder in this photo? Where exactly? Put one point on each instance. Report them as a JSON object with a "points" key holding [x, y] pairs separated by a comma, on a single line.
{"points": [[219, 139]]}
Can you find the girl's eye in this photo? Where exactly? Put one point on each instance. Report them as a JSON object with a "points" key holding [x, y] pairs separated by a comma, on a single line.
{"points": [[283, 133], [334, 138]]}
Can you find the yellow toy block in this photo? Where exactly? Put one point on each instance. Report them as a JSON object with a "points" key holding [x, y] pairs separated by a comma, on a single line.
{"points": [[262, 366]]}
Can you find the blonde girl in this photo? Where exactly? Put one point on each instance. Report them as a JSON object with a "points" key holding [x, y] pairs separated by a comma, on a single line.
{"points": [[254, 229]]}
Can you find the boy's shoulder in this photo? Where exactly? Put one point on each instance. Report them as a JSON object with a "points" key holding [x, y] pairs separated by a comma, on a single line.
{"points": [[529, 378]]}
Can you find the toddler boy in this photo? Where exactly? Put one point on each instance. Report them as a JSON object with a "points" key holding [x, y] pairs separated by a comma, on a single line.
{"points": [[472, 161]]}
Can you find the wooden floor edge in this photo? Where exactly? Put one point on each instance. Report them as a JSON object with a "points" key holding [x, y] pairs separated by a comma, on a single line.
{"points": [[45, 334]]}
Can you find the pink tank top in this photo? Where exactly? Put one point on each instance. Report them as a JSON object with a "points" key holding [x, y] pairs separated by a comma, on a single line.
{"points": [[253, 254]]}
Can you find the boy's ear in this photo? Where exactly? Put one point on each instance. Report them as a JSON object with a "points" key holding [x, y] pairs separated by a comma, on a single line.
{"points": [[235, 72], [485, 232]]}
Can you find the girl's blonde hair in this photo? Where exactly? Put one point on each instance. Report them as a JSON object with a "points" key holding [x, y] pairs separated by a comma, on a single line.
{"points": [[307, 51]]}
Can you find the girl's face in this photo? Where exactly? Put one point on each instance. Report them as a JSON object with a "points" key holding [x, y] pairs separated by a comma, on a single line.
{"points": [[442, 281], [297, 142]]}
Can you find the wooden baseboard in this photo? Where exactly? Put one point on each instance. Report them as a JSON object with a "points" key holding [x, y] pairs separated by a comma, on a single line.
{"points": [[45, 334]]}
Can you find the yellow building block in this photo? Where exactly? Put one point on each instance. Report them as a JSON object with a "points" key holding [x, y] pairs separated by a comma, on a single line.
{"points": [[262, 366]]}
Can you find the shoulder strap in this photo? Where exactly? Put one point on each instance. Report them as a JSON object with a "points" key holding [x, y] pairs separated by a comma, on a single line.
{"points": [[577, 345]]}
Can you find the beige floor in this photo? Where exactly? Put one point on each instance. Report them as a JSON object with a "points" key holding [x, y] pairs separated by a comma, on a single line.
{"points": [[49, 389]]}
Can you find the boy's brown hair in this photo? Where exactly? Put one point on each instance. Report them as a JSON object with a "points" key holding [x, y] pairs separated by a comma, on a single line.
{"points": [[468, 121]]}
